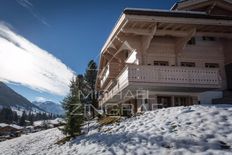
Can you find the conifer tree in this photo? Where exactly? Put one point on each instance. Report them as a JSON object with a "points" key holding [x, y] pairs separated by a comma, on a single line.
{"points": [[22, 121], [73, 105], [90, 78], [31, 118], [15, 117]]}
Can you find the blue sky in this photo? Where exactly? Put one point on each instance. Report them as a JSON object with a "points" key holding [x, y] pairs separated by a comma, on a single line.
{"points": [[73, 31]]}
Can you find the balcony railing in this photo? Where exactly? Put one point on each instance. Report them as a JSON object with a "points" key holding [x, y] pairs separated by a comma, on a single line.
{"points": [[191, 76], [167, 76], [111, 71]]}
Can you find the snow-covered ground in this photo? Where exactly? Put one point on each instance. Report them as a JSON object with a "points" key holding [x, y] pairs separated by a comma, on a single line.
{"points": [[177, 130], [54, 121]]}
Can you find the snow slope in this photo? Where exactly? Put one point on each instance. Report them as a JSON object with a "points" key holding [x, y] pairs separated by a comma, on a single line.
{"points": [[177, 130], [36, 143]]}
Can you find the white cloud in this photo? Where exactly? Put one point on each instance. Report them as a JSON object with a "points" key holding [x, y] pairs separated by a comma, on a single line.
{"points": [[24, 63], [40, 99]]}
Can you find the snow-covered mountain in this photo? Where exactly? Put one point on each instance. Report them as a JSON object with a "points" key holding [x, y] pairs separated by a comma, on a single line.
{"points": [[10, 98], [50, 107]]}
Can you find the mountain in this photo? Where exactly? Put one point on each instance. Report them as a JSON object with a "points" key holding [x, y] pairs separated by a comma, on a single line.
{"points": [[50, 107], [9, 98]]}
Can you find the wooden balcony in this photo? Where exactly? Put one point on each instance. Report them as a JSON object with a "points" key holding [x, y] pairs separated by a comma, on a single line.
{"points": [[110, 72], [166, 78]]}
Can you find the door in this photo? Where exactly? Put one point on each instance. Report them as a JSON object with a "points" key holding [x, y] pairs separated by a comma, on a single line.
{"points": [[166, 101], [228, 69]]}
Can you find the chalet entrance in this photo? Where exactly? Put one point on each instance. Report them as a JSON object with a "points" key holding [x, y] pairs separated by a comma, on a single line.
{"points": [[165, 101], [170, 101], [183, 101], [228, 69]]}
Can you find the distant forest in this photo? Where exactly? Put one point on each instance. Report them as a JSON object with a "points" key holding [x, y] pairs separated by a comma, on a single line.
{"points": [[11, 117]]}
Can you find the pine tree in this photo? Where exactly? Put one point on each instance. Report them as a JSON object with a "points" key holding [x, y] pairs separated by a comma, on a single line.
{"points": [[15, 117], [73, 106], [31, 118], [90, 78], [7, 115], [22, 121]]}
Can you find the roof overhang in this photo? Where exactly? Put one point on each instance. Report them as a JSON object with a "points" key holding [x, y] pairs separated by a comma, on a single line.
{"points": [[163, 16], [141, 22], [196, 4]]}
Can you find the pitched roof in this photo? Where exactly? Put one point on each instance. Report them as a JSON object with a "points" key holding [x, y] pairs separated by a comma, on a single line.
{"points": [[173, 13], [188, 4], [3, 125]]}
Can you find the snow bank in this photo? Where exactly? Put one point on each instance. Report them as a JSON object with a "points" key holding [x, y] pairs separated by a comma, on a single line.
{"points": [[177, 130], [36, 143], [53, 122]]}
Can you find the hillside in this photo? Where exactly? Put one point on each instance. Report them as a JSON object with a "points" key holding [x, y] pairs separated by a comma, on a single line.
{"points": [[9, 98], [50, 107], [177, 130]]}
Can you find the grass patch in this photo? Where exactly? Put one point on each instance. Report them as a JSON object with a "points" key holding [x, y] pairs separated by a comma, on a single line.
{"points": [[109, 120], [63, 140], [66, 139]]}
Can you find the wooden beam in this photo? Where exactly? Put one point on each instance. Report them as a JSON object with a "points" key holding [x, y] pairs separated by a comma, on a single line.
{"points": [[194, 4], [177, 27], [224, 5], [168, 26], [112, 46], [179, 20], [133, 25], [120, 25], [177, 33], [128, 46], [181, 43], [137, 31], [122, 39], [171, 33], [109, 52], [211, 8], [214, 34], [107, 57], [113, 56], [161, 25], [146, 40], [146, 32]]}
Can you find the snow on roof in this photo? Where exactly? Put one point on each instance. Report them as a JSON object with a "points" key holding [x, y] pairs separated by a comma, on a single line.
{"points": [[55, 121], [3, 125], [16, 126], [29, 127]]}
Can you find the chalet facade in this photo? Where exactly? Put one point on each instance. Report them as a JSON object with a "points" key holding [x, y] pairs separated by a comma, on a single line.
{"points": [[9, 130], [162, 58]]}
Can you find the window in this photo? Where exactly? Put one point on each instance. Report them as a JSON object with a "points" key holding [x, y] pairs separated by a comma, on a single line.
{"points": [[208, 38], [211, 65], [188, 64], [192, 41], [161, 63]]}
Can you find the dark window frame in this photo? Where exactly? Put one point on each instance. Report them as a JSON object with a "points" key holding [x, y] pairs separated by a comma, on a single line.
{"points": [[212, 65], [188, 64], [207, 38], [161, 63]]}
